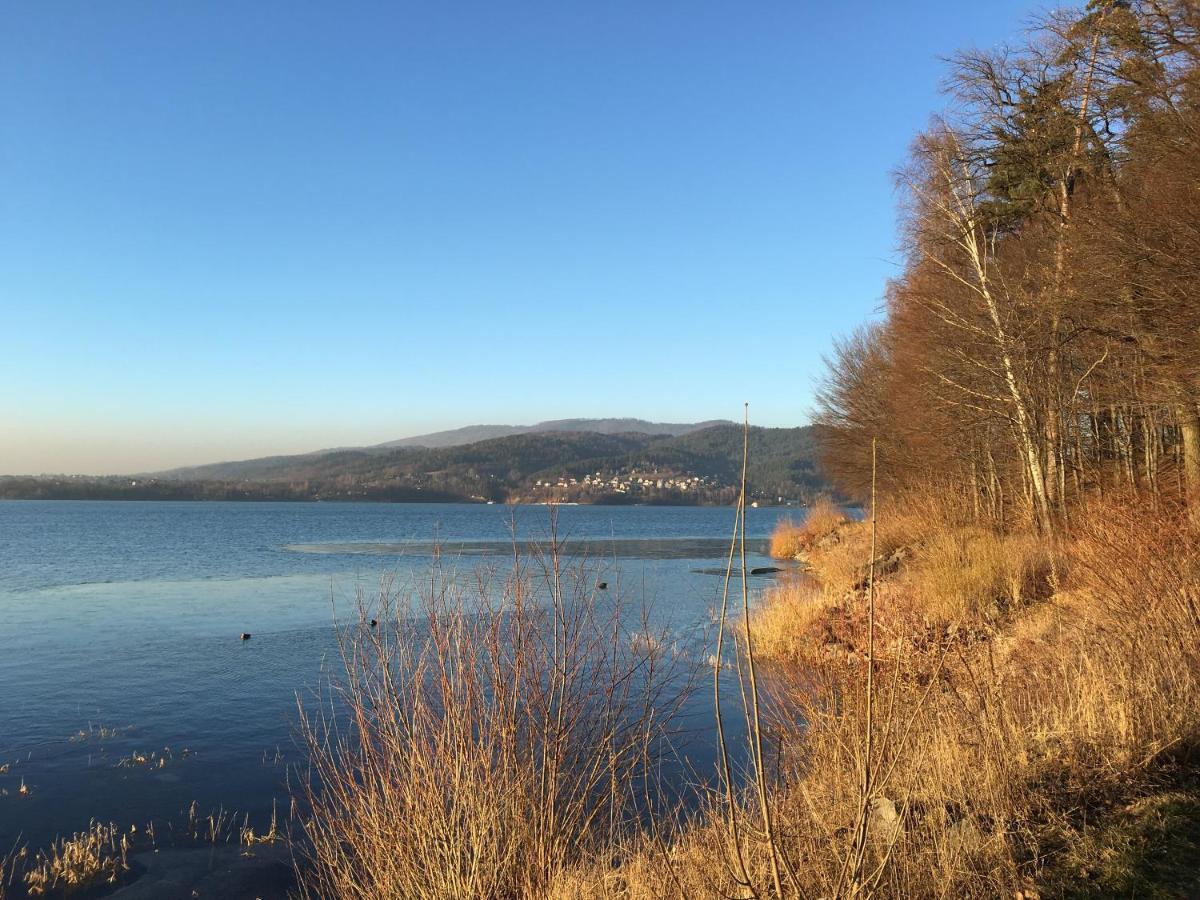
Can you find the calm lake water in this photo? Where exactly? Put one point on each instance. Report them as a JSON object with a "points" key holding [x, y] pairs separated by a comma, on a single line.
{"points": [[120, 626]]}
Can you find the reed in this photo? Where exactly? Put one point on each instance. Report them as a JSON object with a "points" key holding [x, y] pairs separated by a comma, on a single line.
{"points": [[9, 863], [97, 855]]}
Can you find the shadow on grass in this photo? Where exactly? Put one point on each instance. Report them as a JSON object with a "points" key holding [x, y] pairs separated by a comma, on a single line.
{"points": [[1146, 848]]}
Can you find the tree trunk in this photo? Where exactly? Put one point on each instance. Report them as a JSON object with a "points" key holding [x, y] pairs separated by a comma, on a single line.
{"points": [[1189, 430]]}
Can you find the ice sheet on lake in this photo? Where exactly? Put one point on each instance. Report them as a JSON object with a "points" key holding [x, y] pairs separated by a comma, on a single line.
{"points": [[621, 548]]}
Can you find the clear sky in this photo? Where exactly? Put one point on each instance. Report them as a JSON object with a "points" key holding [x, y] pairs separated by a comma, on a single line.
{"points": [[233, 229]]}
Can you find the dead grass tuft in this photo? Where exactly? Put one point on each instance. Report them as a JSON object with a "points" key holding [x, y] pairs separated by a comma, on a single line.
{"points": [[973, 575], [792, 541], [90, 857], [791, 619]]}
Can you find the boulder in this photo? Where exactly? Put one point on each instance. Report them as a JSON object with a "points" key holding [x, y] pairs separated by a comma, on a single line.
{"points": [[885, 817]]}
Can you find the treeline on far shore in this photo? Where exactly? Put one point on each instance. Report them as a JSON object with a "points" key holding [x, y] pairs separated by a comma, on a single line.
{"points": [[114, 488], [125, 488]]}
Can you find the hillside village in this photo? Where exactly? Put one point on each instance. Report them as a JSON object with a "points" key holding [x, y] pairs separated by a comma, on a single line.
{"points": [[631, 482], [642, 486]]}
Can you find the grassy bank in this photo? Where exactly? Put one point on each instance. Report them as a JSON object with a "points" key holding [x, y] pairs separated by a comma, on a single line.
{"points": [[1037, 699], [1028, 731]]}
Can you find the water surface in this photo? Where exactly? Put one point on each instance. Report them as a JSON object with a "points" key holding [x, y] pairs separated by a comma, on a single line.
{"points": [[120, 626]]}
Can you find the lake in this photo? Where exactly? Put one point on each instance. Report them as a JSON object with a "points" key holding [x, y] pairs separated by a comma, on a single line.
{"points": [[120, 628]]}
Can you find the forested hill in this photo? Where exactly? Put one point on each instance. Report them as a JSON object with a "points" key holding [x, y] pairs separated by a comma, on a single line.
{"points": [[473, 434], [702, 466]]}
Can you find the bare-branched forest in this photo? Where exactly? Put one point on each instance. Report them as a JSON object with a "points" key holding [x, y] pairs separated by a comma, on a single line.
{"points": [[1043, 339]]}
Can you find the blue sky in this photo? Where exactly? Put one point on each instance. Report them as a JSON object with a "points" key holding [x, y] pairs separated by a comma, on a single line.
{"points": [[233, 229]]}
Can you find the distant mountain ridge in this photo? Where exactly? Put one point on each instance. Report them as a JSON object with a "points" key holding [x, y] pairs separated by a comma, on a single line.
{"points": [[473, 434], [700, 466]]}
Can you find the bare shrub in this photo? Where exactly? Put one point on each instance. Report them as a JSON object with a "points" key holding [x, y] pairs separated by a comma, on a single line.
{"points": [[1137, 576], [491, 733]]}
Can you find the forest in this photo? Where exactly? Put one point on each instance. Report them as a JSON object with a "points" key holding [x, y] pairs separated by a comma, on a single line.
{"points": [[1042, 341]]}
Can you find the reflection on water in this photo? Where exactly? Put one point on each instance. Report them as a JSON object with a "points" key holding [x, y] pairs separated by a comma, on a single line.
{"points": [[126, 693]]}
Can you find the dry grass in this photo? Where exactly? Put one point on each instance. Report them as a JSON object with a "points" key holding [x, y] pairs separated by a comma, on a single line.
{"points": [[936, 572], [972, 574], [995, 750], [951, 571], [86, 861], [906, 521], [9, 863], [1005, 721], [501, 737], [90, 857], [792, 618], [790, 540], [248, 837]]}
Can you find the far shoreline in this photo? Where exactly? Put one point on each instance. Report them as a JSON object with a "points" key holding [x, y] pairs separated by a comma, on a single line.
{"points": [[386, 502]]}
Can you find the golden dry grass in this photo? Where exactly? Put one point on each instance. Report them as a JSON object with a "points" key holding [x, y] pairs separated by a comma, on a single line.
{"points": [[951, 570], [972, 574], [902, 524], [1005, 720], [90, 857], [992, 747], [788, 540], [790, 618], [791, 540]]}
